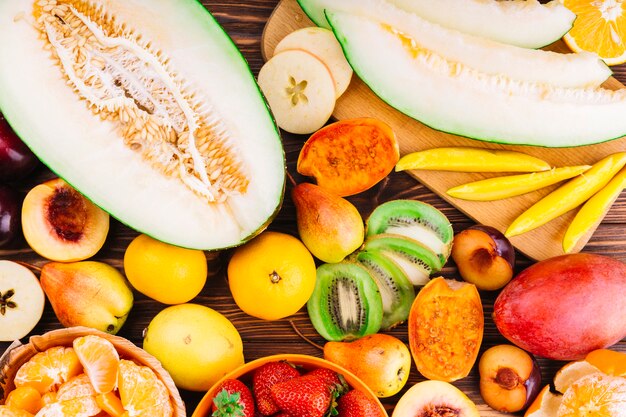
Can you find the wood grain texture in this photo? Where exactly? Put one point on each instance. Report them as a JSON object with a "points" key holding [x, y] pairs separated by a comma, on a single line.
{"points": [[360, 101], [244, 20]]}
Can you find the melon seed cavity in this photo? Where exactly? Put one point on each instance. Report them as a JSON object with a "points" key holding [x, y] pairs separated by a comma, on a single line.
{"points": [[127, 81]]}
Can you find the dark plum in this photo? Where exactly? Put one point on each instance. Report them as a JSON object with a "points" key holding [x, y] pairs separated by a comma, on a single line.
{"points": [[9, 215], [484, 256], [16, 160]]}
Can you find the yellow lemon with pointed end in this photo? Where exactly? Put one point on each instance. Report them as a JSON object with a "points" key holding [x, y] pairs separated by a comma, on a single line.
{"points": [[272, 276], [164, 272], [195, 344]]}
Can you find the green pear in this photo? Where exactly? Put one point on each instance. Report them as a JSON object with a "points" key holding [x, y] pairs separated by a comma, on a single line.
{"points": [[89, 293], [329, 226]]}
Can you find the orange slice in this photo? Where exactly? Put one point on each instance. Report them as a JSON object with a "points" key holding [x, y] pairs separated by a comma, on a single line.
{"points": [[100, 360], [76, 407], [596, 395], [25, 398], [48, 369], [141, 392], [8, 411], [600, 27]]}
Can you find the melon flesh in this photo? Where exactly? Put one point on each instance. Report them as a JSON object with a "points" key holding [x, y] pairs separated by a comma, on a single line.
{"points": [[453, 98], [485, 55], [162, 124], [524, 23]]}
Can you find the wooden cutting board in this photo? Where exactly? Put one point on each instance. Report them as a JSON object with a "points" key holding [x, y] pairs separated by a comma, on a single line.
{"points": [[359, 101]]}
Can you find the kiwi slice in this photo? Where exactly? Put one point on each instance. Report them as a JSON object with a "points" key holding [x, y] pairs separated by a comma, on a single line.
{"points": [[416, 220], [345, 303], [416, 260], [396, 290]]}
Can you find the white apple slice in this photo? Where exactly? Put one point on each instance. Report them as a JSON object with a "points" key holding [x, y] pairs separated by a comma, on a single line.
{"points": [[299, 90], [322, 43], [21, 301]]}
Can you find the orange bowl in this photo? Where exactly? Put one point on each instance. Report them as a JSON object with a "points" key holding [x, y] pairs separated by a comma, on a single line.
{"points": [[305, 362]]}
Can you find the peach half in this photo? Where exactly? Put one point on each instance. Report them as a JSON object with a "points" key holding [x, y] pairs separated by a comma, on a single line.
{"points": [[509, 378], [60, 224]]}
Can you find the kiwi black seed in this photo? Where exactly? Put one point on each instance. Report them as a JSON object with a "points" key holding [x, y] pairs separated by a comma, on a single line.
{"points": [[396, 290], [416, 220], [345, 303], [416, 260]]}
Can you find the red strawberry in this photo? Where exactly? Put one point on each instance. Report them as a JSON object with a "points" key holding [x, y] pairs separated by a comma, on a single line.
{"points": [[332, 379], [306, 396], [356, 403], [264, 379], [233, 399]]}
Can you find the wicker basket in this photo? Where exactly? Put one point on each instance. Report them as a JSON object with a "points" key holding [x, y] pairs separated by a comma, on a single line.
{"points": [[19, 354]]}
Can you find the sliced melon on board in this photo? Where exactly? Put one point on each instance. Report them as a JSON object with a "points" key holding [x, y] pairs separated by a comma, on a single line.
{"points": [[484, 55], [147, 108], [454, 98], [525, 23]]}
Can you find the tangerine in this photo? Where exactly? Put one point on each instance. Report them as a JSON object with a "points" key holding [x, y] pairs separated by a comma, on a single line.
{"points": [[48, 369], [9, 411], [100, 361], [166, 273], [272, 276], [141, 392], [25, 398], [597, 395]]}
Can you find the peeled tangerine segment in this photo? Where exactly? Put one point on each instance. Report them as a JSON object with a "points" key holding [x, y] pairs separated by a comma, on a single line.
{"points": [[299, 90], [415, 220], [571, 373], [595, 395], [149, 110], [435, 398], [345, 303], [21, 301], [593, 211], [349, 156], [446, 329], [513, 185], [456, 98], [484, 55], [568, 196], [321, 43], [465, 159]]}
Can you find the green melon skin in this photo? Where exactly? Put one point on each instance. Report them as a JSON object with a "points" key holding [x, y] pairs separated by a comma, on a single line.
{"points": [[459, 100], [89, 154]]}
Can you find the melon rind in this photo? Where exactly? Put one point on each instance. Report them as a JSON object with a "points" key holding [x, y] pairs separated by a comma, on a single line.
{"points": [[484, 55], [88, 153], [453, 98]]}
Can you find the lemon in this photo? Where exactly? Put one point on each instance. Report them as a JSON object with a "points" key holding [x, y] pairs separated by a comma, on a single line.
{"points": [[166, 273], [195, 344], [272, 276]]}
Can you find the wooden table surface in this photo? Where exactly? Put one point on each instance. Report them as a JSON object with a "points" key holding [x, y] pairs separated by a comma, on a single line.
{"points": [[244, 21]]}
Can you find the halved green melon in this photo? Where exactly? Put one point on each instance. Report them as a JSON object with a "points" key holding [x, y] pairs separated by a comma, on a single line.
{"points": [[148, 108], [454, 98], [524, 23], [484, 55]]}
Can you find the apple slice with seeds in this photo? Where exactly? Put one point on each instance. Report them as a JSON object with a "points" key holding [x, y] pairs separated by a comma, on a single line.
{"points": [[321, 43], [299, 90], [21, 301]]}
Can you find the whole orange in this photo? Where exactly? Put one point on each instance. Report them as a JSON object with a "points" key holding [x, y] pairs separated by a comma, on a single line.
{"points": [[164, 272], [272, 276]]}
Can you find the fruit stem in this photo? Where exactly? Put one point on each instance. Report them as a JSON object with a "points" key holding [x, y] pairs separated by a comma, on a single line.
{"points": [[29, 266], [291, 180], [306, 339]]}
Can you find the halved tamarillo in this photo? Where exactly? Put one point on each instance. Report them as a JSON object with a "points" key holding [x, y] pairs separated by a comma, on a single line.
{"points": [[349, 156], [446, 325]]}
